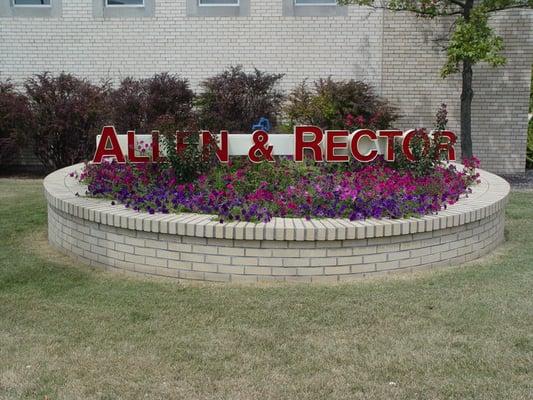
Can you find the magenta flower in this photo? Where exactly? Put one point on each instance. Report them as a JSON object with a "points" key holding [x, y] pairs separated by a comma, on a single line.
{"points": [[233, 192]]}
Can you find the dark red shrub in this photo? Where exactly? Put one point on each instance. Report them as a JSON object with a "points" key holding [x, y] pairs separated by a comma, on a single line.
{"points": [[138, 103], [128, 106], [170, 96], [15, 122], [235, 100], [68, 113]]}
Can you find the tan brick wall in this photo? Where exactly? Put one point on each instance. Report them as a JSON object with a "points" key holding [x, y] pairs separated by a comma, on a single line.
{"points": [[230, 260]]}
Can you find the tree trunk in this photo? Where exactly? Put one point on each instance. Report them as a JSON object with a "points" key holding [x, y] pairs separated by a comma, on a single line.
{"points": [[466, 96], [466, 110]]}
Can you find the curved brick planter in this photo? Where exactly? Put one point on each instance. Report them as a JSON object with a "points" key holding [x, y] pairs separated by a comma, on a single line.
{"points": [[193, 246]]}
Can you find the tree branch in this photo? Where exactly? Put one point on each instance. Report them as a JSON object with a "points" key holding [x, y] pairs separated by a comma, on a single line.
{"points": [[418, 11], [507, 7], [458, 3], [437, 9]]}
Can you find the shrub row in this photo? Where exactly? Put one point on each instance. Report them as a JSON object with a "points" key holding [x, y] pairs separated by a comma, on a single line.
{"points": [[60, 115]]}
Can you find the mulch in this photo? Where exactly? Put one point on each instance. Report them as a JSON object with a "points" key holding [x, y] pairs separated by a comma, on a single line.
{"points": [[521, 181]]}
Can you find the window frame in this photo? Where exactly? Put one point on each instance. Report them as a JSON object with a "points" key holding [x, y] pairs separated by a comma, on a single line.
{"points": [[196, 9], [15, 5], [292, 9], [8, 8], [219, 5], [101, 9], [106, 4], [315, 4]]}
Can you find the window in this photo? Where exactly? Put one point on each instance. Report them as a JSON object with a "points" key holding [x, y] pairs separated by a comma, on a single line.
{"points": [[313, 8], [315, 2], [30, 8], [31, 3], [123, 8], [218, 8], [219, 3], [125, 3]]}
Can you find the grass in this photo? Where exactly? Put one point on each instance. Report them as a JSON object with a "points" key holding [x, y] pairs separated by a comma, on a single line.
{"points": [[68, 332]]}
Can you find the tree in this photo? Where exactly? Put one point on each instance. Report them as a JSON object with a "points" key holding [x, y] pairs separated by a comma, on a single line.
{"points": [[471, 41]]}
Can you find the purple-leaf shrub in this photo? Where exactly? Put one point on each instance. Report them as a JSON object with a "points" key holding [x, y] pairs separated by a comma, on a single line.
{"points": [[138, 104], [15, 122], [235, 100], [68, 113]]}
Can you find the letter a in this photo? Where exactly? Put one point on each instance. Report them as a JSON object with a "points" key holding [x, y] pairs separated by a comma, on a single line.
{"points": [[108, 134]]}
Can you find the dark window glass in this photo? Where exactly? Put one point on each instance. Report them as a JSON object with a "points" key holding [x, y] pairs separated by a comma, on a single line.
{"points": [[125, 2], [315, 2], [32, 2], [219, 2]]}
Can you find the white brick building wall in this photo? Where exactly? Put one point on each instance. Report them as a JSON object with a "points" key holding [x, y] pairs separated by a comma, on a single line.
{"points": [[395, 53]]}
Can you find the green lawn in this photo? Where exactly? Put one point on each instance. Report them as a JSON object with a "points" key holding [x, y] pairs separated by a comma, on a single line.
{"points": [[68, 332]]}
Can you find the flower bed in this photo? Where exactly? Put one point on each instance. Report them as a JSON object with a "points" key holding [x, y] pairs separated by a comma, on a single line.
{"points": [[195, 246], [257, 192]]}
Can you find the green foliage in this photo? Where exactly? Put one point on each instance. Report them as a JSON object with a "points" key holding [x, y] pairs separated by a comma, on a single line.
{"points": [[427, 8], [338, 105], [473, 40], [193, 160], [531, 92], [268, 174], [426, 154], [497, 5], [529, 153]]}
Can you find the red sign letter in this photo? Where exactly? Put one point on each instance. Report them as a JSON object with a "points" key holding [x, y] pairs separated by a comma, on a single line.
{"points": [[260, 139], [406, 145], [155, 147], [108, 134], [331, 145], [314, 145], [371, 156], [222, 152], [448, 146], [390, 135]]}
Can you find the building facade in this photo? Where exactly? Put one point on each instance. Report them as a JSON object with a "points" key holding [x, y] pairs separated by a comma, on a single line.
{"points": [[304, 39]]}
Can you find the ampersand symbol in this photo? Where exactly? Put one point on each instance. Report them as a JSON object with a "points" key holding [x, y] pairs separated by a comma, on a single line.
{"points": [[260, 139]]}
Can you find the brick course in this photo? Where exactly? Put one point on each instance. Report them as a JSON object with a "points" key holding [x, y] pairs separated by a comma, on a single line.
{"points": [[443, 247]]}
